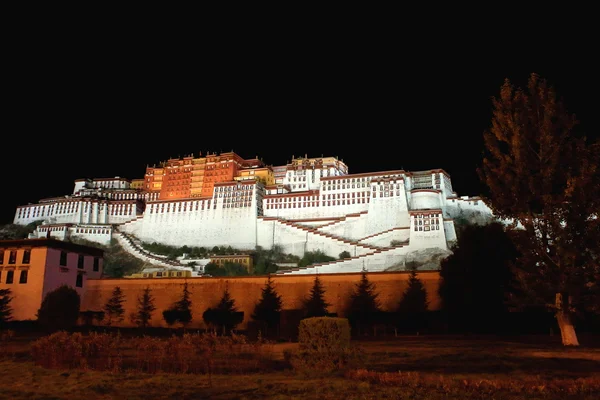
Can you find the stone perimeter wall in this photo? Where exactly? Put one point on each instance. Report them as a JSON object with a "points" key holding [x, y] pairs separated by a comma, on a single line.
{"points": [[246, 291]]}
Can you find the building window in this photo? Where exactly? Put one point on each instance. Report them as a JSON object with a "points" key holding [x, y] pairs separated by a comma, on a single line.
{"points": [[12, 257], [23, 277], [80, 261], [10, 276], [1, 257], [63, 258], [26, 256], [96, 264], [79, 281]]}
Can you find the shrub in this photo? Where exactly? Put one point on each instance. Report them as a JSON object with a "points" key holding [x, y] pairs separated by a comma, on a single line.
{"points": [[5, 309], [324, 334], [62, 350], [59, 309], [190, 353], [89, 316], [324, 347], [6, 350]]}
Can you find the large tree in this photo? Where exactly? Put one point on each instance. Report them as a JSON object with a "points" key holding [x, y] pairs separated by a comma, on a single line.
{"points": [[476, 277], [544, 177]]}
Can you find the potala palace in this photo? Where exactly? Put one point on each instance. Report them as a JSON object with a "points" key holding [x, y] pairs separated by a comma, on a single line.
{"points": [[381, 218]]}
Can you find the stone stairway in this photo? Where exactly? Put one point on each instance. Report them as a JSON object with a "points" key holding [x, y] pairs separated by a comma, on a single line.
{"points": [[134, 247], [316, 231], [345, 218], [374, 261], [381, 233]]}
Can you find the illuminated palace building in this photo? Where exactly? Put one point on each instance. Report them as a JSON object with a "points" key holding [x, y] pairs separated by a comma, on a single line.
{"points": [[380, 218]]}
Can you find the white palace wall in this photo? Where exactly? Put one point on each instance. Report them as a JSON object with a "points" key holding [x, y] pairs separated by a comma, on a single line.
{"points": [[353, 226], [209, 227], [386, 213], [227, 218]]}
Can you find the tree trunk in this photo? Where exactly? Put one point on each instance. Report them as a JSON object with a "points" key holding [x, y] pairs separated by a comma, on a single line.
{"points": [[563, 316]]}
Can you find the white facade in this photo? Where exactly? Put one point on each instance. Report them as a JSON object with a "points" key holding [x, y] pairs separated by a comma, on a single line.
{"points": [[93, 232], [304, 174], [379, 217], [104, 183]]}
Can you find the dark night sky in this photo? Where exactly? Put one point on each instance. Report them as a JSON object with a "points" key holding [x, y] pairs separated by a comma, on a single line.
{"points": [[115, 105]]}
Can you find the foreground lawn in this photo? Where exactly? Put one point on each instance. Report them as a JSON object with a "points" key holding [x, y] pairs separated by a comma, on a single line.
{"points": [[397, 368]]}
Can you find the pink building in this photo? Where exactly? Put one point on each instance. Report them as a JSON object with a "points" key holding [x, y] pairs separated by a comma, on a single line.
{"points": [[31, 268]]}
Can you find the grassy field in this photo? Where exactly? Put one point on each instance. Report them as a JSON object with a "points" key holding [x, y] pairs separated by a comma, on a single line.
{"points": [[406, 367]]}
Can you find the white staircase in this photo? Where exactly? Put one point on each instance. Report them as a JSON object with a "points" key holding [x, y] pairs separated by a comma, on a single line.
{"points": [[134, 247], [375, 261]]}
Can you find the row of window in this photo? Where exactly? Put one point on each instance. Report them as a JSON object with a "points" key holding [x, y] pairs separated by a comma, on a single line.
{"points": [[427, 222], [109, 184], [73, 207], [386, 193], [319, 203], [93, 231], [344, 186], [294, 199], [10, 276], [427, 228], [12, 256], [80, 261], [233, 260], [234, 188]]}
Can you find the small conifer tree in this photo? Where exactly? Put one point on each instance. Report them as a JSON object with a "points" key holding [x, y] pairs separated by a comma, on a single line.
{"points": [[225, 315], [266, 312], [145, 308], [414, 298], [114, 306], [315, 305], [364, 303], [181, 311]]}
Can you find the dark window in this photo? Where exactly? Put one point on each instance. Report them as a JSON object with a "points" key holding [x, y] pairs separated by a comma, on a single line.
{"points": [[23, 277], [10, 276], [80, 261], [12, 258], [26, 256], [79, 281], [1, 257], [63, 258], [96, 264]]}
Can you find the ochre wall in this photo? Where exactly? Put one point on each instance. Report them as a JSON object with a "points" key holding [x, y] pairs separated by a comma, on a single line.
{"points": [[26, 297], [246, 291]]}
